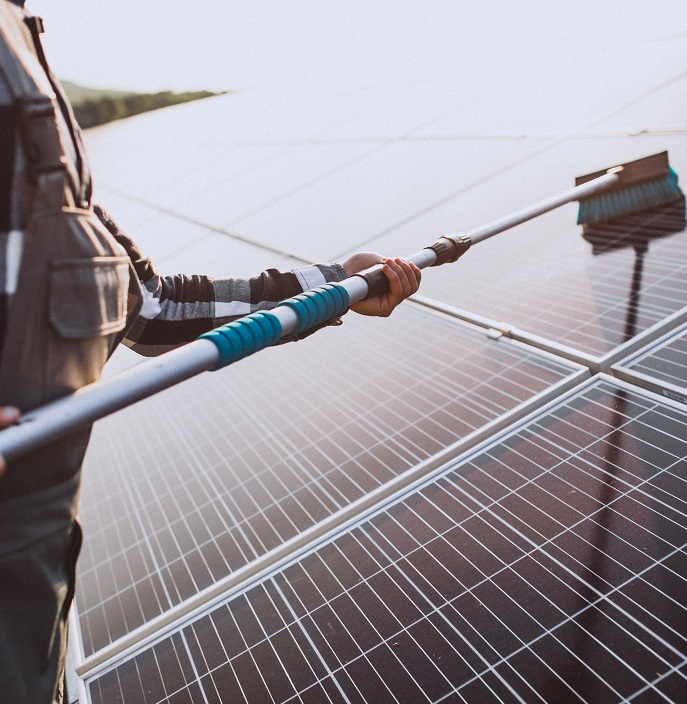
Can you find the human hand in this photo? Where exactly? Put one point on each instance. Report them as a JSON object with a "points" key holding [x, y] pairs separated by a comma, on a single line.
{"points": [[8, 416], [404, 280]]}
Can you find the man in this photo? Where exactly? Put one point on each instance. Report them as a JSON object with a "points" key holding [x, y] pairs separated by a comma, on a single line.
{"points": [[72, 286]]}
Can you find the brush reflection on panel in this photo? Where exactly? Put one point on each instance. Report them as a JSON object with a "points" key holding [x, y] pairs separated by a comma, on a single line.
{"points": [[252, 457], [548, 567], [636, 232], [640, 279]]}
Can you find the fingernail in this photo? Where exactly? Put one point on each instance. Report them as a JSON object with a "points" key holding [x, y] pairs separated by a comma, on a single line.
{"points": [[10, 413]]}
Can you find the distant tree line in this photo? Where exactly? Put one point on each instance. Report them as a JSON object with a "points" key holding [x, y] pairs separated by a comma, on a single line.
{"points": [[99, 110]]}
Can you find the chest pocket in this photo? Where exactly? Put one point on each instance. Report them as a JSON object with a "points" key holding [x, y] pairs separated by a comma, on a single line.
{"points": [[88, 297]]}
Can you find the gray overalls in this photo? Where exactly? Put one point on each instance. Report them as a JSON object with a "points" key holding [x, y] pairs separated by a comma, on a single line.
{"points": [[75, 288]]}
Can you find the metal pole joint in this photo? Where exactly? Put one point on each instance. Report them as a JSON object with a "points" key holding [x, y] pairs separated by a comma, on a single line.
{"points": [[448, 248]]}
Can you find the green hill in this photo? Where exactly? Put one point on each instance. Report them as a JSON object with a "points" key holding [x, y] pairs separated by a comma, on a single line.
{"points": [[94, 106], [78, 94]]}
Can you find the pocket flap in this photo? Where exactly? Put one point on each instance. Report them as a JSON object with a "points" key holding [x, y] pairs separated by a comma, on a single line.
{"points": [[88, 296]]}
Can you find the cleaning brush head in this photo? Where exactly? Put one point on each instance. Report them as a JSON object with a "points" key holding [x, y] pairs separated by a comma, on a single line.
{"points": [[642, 185]]}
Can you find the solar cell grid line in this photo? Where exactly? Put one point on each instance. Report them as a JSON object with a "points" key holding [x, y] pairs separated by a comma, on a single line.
{"points": [[309, 637], [171, 539], [657, 492], [561, 564], [563, 321], [258, 684], [486, 579], [292, 619], [228, 516], [621, 617], [275, 628], [162, 490], [221, 486], [289, 452], [285, 439], [362, 579], [571, 527], [619, 587], [621, 495], [260, 480], [224, 496], [112, 606], [660, 497], [537, 439], [664, 443], [370, 427], [516, 651]]}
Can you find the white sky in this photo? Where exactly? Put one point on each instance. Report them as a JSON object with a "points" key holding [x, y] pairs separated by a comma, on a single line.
{"points": [[224, 44]]}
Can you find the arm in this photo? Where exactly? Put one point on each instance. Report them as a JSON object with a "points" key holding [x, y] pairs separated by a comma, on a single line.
{"points": [[177, 309]]}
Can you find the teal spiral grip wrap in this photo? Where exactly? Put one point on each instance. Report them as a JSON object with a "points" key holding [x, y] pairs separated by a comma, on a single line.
{"points": [[243, 337], [318, 305]]}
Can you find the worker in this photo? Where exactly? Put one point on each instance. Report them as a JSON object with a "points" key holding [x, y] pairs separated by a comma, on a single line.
{"points": [[72, 287]]}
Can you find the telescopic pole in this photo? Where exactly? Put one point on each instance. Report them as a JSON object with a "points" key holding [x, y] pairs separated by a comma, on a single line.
{"points": [[247, 335]]}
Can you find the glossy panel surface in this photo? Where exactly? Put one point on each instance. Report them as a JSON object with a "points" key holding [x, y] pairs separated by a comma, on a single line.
{"points": [[548, 567]]}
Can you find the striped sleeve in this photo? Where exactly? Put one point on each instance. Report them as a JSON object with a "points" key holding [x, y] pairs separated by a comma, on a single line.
{"points": [[178, 308]]}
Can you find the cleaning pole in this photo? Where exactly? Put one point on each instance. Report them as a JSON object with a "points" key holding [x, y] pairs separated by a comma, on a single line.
{"points": [[247, 335]]}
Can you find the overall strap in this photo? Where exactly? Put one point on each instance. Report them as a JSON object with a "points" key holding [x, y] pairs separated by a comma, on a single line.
{"points": [[18, 60], [47, 170]]}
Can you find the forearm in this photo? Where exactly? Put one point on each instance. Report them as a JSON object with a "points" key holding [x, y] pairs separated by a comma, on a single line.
{"points": [[178, 308]]}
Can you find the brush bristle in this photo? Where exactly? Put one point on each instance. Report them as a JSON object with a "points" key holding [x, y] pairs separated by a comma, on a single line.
{"points": [[633, 198]]}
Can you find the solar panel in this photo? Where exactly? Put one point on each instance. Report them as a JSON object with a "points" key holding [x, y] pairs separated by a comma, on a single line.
{"points": [[661, 367], [547, 566], [241, 462]]}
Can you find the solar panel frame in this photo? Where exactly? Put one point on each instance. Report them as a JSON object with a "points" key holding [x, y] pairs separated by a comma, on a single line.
{"points": [[494, 678], [603, 362]]}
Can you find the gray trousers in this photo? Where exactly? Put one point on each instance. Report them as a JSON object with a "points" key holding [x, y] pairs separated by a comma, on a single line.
{"points": [[39, 544]]}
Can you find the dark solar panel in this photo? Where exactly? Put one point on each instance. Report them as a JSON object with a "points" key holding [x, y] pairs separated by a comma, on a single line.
{"points": [[186, 488], [662, 367], [549, 566]]}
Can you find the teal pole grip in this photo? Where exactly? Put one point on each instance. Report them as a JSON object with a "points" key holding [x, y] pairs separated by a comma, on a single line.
{"points": [[318, 305], [243, 337]]}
